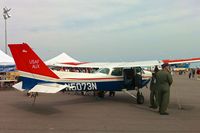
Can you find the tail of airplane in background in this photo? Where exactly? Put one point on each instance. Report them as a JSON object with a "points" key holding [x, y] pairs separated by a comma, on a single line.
{"points": [[28, 61]]}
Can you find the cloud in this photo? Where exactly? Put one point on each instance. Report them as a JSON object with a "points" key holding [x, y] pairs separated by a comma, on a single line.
{"points": [[55, 14], [93, 15], [74, 25]]}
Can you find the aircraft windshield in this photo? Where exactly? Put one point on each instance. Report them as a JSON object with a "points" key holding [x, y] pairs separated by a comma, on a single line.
{"points": [[104, 70]]}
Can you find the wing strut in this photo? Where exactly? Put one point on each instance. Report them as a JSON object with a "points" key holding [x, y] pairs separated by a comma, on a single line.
{"points": [[139, 97], [127, 92]]}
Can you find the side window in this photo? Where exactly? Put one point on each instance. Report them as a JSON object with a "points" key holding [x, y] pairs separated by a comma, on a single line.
{"points": [[105, 71], [117, 72]]}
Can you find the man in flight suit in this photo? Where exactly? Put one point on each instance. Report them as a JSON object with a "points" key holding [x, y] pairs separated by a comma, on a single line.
{"points": [[153, 90], [163, 83]]}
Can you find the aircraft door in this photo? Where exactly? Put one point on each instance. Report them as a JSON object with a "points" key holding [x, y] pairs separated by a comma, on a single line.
{"points": [[138, 77], [133, 78], [129, 78]]}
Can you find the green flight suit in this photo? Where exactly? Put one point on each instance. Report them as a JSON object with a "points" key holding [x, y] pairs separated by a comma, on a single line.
{"points": [[153, 92], [163, 83]]}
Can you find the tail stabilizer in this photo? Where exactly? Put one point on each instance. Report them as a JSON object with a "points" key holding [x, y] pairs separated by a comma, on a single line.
{"points": [[27, 60]]}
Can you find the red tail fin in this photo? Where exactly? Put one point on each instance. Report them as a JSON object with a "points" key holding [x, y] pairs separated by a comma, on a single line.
{"points": [[28, 61]]}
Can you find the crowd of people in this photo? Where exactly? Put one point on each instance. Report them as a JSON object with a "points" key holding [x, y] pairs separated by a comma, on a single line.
{"points": [[198, 74], [7, 79], [193, 72]]}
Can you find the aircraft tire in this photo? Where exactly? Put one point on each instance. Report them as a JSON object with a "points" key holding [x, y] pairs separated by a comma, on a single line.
{"points": [[28, 94], [101, 94], [140, 99]]}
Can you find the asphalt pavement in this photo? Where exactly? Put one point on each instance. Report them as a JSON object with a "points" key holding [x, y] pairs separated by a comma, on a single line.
{"points": [[72, 113]]}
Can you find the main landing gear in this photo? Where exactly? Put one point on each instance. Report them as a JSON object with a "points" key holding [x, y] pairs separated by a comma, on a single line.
{"points": [[101, 94], [139, 97]]}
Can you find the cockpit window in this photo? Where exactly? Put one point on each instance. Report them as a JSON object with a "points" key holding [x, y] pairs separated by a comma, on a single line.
{"points": [[104, 70], [117, 72]]}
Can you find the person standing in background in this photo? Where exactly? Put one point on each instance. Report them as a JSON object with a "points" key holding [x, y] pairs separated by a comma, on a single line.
{"points": [[153, 90]]}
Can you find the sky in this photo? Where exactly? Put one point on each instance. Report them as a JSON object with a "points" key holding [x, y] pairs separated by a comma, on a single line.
{"points": [[105, 30]]}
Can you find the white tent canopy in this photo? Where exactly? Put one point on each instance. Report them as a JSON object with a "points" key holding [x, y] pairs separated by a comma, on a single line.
{"points": [[6, 59], [62, 58]]}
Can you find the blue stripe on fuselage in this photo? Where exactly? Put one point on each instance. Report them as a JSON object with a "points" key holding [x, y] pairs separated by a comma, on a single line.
{"points": [[29, 83]]}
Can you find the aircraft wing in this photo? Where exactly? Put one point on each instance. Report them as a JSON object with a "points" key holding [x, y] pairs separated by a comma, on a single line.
{"points": [[129, 64], [43, 88], [180, 61], [135, 64], [113, 64]]}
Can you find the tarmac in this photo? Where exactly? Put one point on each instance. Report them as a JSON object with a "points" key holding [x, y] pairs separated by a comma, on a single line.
{"points": [[69, 113]]}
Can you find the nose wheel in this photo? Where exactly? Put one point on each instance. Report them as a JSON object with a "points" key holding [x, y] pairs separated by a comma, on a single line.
{"points": [[140, 98]]}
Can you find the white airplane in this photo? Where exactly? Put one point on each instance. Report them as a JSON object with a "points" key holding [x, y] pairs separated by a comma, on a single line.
{"points": [[36, 77]]}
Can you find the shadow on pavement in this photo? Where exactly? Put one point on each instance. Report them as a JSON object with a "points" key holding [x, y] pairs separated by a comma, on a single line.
{"points": [[42, 109]]}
